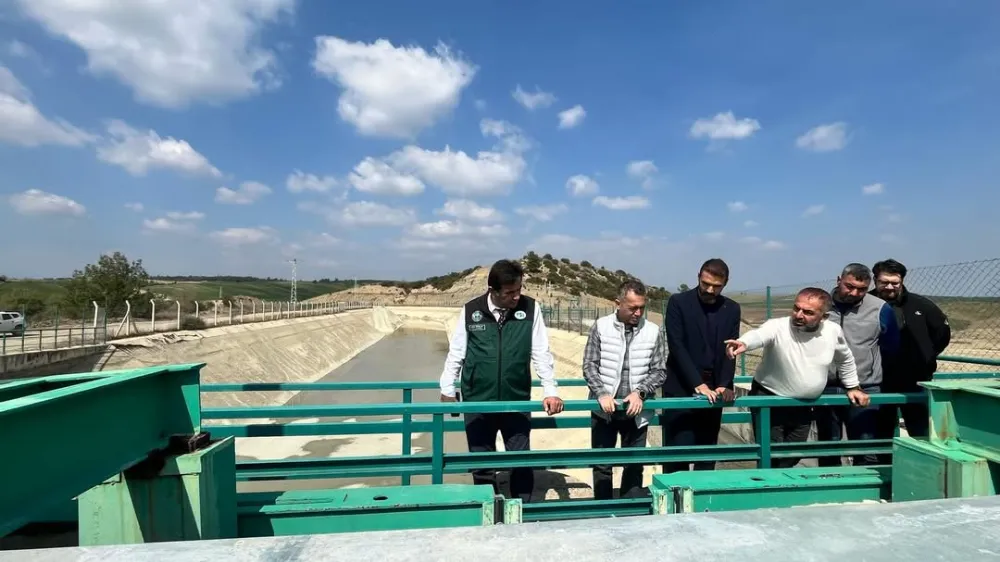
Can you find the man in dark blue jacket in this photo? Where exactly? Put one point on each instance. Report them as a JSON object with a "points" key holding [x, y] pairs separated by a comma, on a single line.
{"points": [[925, 334], [697, 323]]}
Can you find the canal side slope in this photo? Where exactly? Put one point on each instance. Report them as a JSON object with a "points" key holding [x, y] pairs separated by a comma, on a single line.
{"points": [[289, 350]]}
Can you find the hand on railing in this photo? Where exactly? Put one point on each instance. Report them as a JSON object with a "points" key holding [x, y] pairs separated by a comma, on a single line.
{"points": [[858, 397], [552, 405], [607, 404]]}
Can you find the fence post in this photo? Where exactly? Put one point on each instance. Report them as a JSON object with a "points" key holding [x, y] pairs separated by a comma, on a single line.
{"points": [[230, 313], [767, 303], [24, 326], [152, 317], [407, 437], [241, 311], [178, 313], [437, 449], [762, 427], [56, 337]]}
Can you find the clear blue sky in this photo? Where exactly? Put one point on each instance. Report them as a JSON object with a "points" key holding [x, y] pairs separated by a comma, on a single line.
{"points": [[404, 139]]}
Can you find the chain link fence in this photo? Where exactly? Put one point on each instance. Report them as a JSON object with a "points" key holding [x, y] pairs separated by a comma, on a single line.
{"points": [[968, 293]]}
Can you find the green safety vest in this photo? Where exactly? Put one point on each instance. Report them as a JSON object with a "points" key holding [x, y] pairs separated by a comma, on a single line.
{"points": [[497, 363]]}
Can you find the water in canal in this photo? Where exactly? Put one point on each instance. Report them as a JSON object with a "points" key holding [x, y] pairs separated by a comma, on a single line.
{"points": [[404, 355]]}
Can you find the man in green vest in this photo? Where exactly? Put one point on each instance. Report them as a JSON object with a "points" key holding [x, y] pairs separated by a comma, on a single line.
{"points": [[499, 337]]}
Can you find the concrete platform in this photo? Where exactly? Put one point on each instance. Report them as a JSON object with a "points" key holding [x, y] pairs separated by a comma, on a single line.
{"points": [[924, 531]]}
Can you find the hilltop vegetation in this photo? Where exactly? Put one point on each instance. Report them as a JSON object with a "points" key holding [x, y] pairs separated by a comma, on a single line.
{"points": [[114, 278], [582, 278]]}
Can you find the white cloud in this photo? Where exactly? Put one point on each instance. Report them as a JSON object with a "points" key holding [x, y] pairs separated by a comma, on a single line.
{"points": [[391, 91], [375, 176], [750, 224], [38, 202], [23, 124], [466, 210], [873, 189], [166, 224], [511, 137], [188, 216], [542, 213], [761, 244], [724, 126], [324, 240], [737, 206], [533, 100], [170, 53], [582, 186], [457, 173], [299, 182], [20, 50], [824, 138], [449, 229], [139, 152], [715, 235], [365, 213], [572, 117], [813, 210], [643, 171], [247, 193], [629, 203], [245, 236], [135, 207]]}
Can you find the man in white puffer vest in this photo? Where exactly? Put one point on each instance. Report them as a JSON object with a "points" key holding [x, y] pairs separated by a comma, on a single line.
{"points": [[625, 359]]}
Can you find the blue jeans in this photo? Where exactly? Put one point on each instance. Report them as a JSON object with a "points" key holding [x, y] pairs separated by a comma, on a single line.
{"points": [[861, 423]]}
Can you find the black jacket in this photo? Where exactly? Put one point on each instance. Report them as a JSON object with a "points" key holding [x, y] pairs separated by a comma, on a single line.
{"points": [[685, 327], [924, 332]]}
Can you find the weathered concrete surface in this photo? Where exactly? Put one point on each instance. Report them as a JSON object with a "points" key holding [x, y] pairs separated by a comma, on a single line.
{"points": [[954, 529], [52, 362], [290, 350]]}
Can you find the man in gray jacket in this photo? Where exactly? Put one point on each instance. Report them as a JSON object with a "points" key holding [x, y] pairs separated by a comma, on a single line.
{"points": [[623, 360], [871, 330]]}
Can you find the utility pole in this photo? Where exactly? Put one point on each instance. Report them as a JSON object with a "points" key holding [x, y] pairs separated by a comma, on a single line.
{"points": [[295, 297]]}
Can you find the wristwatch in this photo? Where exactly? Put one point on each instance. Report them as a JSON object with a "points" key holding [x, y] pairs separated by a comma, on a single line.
{"points": [[642, 394]]}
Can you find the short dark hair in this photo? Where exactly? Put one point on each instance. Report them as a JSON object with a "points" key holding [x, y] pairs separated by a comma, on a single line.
{"points": [[631, 285], [716, 267], [890, 266], [858, 271], [503, 273], [816, 293]]}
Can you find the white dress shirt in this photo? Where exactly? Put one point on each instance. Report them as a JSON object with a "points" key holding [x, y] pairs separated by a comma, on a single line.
{"points": [[541, 356]]}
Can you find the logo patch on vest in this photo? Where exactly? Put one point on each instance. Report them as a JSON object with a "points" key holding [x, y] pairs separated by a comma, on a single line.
{"points": [[477, 316], [476, 327], [520, 315]]}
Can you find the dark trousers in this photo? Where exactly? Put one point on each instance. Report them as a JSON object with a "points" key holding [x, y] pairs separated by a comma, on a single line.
{"points": [[915, 416], [788, 425], [603, 435], [861, 423], [685, 428], [481, 434]]}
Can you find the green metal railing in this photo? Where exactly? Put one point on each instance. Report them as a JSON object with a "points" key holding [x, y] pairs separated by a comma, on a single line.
{"points": [[438, 462]]}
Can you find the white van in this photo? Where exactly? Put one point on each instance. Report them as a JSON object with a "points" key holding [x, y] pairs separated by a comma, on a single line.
{"points": [[11, 323]]}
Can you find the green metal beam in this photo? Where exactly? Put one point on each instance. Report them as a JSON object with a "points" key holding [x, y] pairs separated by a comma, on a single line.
{"points": [[433, 385], [459, 463], [397, 427], [63, 435], [429, 408]]}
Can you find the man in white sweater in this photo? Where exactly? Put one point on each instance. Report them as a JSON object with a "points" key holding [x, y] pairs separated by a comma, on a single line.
{"points": [[799, 353]]}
